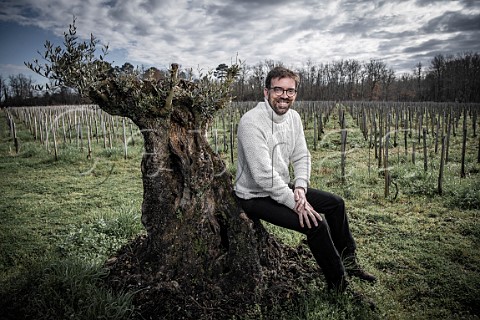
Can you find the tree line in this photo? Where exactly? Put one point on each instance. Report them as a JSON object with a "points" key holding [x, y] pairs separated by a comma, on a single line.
{"points": [[452, 78], [448, 78]]}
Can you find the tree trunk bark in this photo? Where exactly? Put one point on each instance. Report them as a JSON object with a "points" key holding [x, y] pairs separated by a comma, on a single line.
{"points": [[188, 207]]}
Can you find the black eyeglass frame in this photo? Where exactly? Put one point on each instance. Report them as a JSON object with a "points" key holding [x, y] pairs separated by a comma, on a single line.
{"points": [[279, 91]]}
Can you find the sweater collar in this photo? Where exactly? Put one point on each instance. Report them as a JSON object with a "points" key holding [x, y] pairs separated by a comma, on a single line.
{"points": [[272, 115]]}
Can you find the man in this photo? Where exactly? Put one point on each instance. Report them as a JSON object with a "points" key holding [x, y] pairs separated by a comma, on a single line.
{"points": [[270, 138]]}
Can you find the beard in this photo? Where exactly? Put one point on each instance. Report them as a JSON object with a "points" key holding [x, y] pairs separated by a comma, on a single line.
{"points": [[280, 105]]}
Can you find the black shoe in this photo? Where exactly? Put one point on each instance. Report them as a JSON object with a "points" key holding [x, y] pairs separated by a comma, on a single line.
{"points": [[354, 270], [362, 275]]}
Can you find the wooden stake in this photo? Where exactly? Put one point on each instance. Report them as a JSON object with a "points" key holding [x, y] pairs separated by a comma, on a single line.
{"points": [[425, 153], [442, 164]]}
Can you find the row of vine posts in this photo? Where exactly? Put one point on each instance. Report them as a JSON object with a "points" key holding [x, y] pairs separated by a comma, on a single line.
{"points": [[385, 127]]}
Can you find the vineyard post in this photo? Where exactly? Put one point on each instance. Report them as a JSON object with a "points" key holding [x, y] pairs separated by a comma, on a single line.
{"points": [[413, 152], [369, 159], [449, 130], [433, 116], [54, 136], [305, 119], [35, 125], [375, 133], [13, 132], [10, 123], [380, 138], [110, 134], [395, 136], [425, 153], [64, 131], [46, 132], [437, 128], [70, 128], [315, 130], [444, 121], [96, 126], [442, 164], [405, 129], [104, 131], [75, 124], [40, 128], [364, 124], [343, 146], [474, 121], [231, 141], [89, 140], [385, 166], [125, 145], [478, 155], [410, 122], [420, 126], [464, 143], [90, 122], [80, 134], [320, 124], [15, 138], [30, 122]]}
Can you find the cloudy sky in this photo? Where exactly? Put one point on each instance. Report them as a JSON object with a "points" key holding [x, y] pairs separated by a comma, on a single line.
{"points": [[205, 33]]}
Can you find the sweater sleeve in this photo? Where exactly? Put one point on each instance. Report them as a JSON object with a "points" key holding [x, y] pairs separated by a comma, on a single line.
{"points": [[257, 161], [301, 159]]}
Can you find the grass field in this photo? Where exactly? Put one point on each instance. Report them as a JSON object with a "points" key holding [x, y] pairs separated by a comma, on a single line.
{"points": [[61, 220]]}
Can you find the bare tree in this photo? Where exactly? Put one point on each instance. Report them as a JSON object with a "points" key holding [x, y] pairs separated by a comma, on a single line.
{"points": [[3, 89], [388, 76], [21, 87], [374, 71], [353, 68], [437, 68]]}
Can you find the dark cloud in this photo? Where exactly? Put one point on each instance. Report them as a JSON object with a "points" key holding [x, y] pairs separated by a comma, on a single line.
{"points": [[453, 22], [427, 50], [469, 4], [430, 45]]}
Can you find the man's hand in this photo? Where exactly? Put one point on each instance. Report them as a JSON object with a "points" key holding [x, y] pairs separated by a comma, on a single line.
{"points": [[305, 211]]}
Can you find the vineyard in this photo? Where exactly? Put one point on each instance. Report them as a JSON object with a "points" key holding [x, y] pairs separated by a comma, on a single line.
{"points": [[409, 173], [394, 133]]}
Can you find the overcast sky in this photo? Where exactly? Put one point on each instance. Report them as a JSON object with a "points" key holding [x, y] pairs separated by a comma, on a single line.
{"points": [[206, 33]]}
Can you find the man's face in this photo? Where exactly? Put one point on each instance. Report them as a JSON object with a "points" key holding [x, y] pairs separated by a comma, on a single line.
{"points": [[280, 103]]}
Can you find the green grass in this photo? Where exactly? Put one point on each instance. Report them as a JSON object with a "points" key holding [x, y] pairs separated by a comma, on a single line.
{"points": [[60, 220]]}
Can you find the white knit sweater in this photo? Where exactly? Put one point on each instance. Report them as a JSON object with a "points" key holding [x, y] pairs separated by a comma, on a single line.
{"points": [[267, 144]]}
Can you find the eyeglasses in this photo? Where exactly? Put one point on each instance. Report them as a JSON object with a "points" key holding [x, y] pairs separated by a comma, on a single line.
{"points": [[279, 91]]}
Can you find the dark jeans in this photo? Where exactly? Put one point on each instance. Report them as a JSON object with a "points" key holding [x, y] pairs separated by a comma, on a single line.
{"points": [[330, 240]]}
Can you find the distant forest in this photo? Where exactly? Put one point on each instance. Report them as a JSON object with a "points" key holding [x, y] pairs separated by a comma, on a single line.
{"points": [[453, 78]]}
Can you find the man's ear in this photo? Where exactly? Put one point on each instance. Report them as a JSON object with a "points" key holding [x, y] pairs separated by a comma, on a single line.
{"points": [[265, 92]]}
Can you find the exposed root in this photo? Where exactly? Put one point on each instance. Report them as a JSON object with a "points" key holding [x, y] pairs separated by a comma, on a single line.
{"points": [[135, 270]]}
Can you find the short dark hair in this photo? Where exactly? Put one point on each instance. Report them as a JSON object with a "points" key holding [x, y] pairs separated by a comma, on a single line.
{"points": [[281, 72]]}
